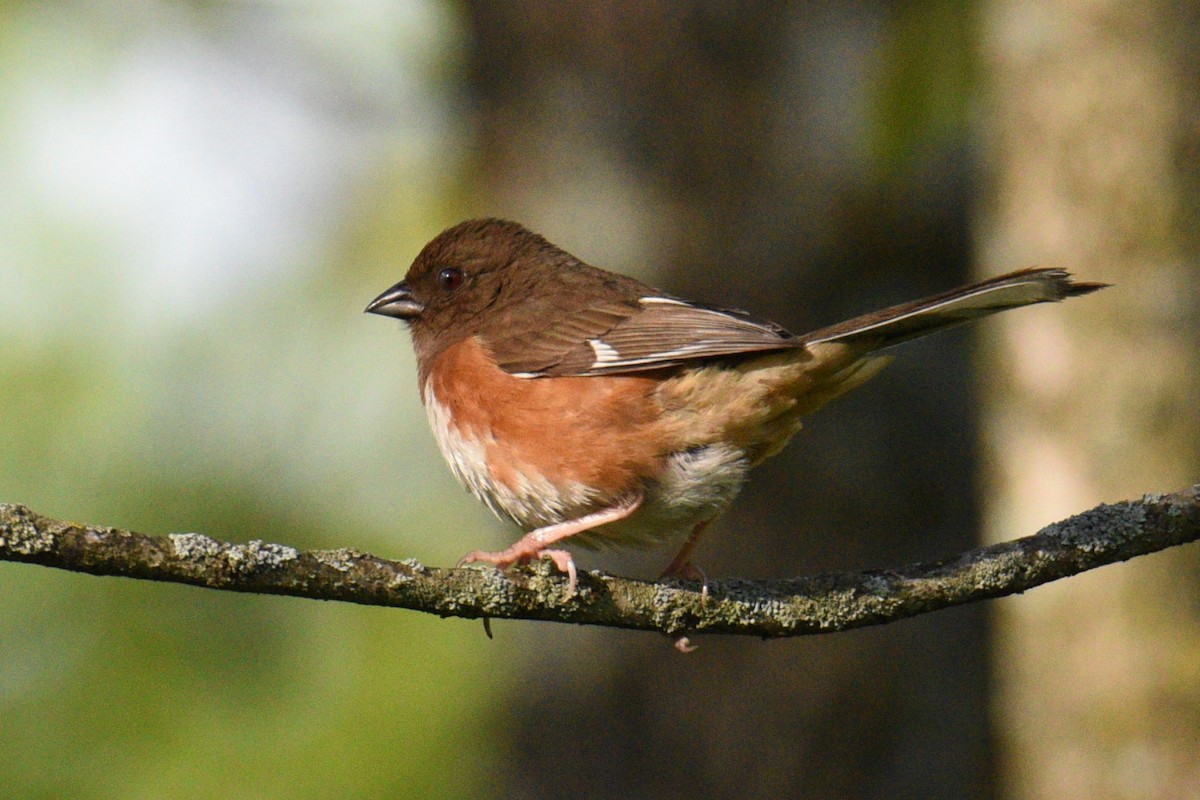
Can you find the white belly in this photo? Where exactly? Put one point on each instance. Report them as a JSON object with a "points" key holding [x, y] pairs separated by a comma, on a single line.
{"points": [[695, 486]]}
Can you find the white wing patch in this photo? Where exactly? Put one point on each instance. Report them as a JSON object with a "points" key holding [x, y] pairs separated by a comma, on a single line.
{"points": [[605, 353], [662, 301], [608, 356]]}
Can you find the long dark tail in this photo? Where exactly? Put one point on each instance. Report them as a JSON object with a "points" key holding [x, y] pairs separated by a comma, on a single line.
{"points": [[890, 326]]}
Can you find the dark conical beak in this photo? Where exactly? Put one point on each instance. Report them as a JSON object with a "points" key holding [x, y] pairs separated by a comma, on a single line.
{"points": [[396, 302]]}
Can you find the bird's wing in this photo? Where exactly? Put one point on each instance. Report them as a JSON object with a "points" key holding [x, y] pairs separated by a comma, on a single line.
{"points": [[655, 332]]}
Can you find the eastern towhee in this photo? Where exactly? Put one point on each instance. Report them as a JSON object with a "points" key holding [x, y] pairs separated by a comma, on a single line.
{"points": [[588, 407]]}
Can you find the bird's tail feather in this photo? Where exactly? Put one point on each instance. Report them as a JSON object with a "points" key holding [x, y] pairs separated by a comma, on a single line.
{"points": [[890, 326]]}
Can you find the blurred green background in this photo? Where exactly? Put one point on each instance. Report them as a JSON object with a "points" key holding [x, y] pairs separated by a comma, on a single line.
{"points": [[197, 201]]}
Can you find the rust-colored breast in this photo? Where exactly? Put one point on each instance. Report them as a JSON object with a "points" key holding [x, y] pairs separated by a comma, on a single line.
{"points": [[602, 433]]}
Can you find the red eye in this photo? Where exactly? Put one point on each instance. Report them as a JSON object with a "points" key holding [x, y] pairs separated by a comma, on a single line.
{"points": [[450, 278]]}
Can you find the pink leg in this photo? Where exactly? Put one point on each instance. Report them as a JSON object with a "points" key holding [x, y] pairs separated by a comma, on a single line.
{"points": [[536, 543], [681, 565]]}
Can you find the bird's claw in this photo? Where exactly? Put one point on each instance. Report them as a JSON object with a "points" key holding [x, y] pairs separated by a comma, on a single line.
{"points": [[684, 645], [506, 558], [689, 572]]}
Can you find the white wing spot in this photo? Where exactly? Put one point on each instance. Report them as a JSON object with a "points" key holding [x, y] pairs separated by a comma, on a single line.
{"points": [[665, 301], [605, 353]]}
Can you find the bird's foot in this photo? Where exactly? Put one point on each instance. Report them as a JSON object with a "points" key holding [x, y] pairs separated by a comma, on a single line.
{"points": [[526, 551], [688, 572]]}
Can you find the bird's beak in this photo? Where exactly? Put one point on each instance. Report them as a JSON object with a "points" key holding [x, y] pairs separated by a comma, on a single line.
{"points": [[396, 302]]}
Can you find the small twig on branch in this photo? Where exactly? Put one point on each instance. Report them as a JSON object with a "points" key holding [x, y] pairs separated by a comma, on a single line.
{"points": [[816, 604]]}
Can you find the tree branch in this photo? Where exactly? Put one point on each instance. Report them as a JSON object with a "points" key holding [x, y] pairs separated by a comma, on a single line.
{"points": [[817, 604]]}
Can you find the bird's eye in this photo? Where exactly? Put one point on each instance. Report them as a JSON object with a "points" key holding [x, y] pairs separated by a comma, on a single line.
{"points": [[450, 278]]}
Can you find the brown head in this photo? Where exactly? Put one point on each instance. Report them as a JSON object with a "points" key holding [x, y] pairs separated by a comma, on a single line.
{"points": [[483, 277]]}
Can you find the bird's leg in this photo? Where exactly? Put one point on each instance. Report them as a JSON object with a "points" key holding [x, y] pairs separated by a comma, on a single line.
{"points": [[681, 565], [536, 543]]}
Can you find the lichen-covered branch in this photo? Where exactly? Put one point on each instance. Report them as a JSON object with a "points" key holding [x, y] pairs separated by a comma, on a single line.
{"points": [[815, 604]]}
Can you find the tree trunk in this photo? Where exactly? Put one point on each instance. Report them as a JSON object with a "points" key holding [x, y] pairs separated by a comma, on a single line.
{"points": [[1094, 133]]}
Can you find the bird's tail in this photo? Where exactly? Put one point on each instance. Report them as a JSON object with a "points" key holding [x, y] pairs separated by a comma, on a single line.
{"points": [[891, 326]]}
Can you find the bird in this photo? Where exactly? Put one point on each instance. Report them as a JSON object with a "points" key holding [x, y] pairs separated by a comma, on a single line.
{"points": [[591, 409]]}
